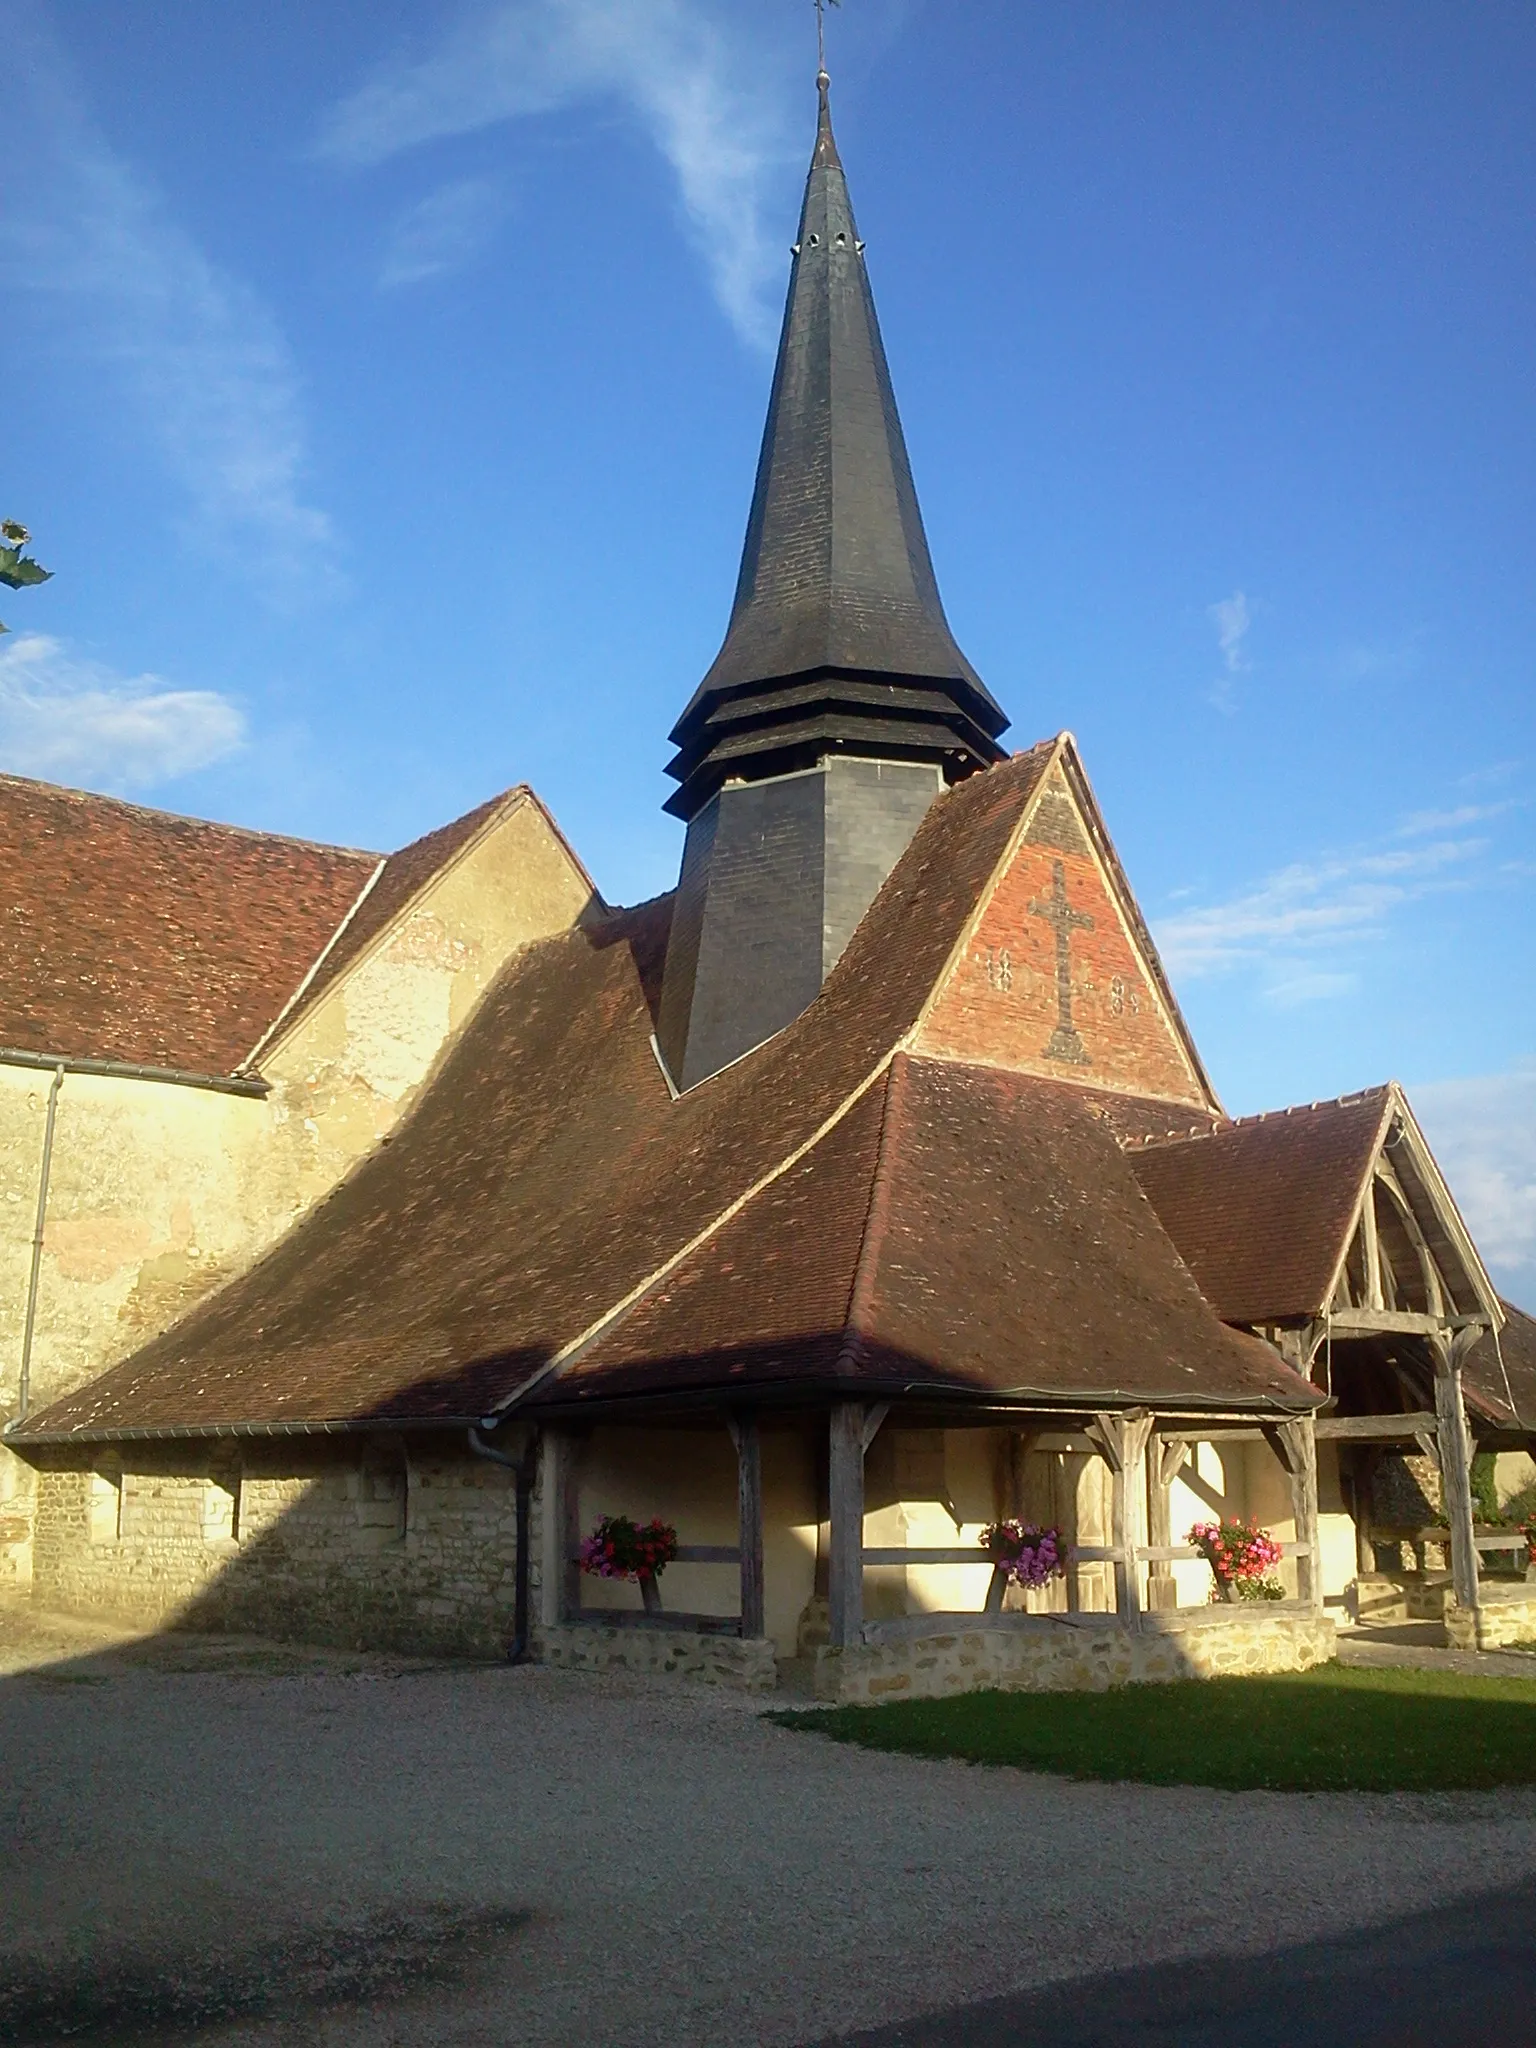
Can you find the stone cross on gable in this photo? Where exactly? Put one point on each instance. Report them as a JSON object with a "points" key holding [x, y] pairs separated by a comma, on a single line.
{"points": [[1064, 920]]}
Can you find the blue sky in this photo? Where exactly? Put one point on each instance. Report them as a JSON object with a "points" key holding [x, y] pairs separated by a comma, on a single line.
{"points": [[384, 387]]}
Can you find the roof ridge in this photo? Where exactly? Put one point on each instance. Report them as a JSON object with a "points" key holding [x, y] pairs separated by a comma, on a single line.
{"points": [[1141, 1141], [85, 797]]}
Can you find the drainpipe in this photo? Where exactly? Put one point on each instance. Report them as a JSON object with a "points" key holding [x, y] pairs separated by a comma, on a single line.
{"points": [[24, 1389], [519, 1651]]}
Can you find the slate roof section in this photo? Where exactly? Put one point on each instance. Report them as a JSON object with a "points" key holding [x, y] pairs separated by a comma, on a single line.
{"points": [[136, 935], [836, 580], [1261, 1209]]}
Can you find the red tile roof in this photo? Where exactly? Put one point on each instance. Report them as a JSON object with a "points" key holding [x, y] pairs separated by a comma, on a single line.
{"points": [[544, 1180], [130, 934], [1499, 1376], [1261, 1209]]}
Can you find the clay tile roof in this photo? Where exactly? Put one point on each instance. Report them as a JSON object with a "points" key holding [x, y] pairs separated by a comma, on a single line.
{"points": [[544, 1174], [130, 934], [960, 1230], [1500, 1377], [1261, 1209]]}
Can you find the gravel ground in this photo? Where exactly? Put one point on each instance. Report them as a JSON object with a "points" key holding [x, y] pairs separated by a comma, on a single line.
{"points": [[235, 1843]]}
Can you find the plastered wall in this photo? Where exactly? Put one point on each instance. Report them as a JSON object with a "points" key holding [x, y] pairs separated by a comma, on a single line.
{"points": [[159, 1192]]}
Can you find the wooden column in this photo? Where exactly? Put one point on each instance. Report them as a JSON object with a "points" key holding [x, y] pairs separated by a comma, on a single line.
{"points": [[851, 1432], [1363, 1472], [1455, 1469], [749, 1517], [561, 1593], [1165, 1457], [1122, 1439], [1295, 1445]]}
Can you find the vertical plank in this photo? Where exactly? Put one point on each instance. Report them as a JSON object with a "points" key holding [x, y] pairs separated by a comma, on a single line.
{"points": [[561, 1592], [1122, 1438], [1455, 1476], [1371, 1247], [1364, 1472], [749, 1519], [1165, 1455], [1300, 1438], [845, 1488]]}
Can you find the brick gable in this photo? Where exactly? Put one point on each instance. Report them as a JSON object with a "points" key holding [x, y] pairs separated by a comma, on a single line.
{"points": [[1058, 977]]}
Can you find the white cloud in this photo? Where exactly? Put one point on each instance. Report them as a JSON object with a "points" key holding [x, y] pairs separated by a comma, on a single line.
{"points": [[698, 79], [73, 720], [201, 358], [1232, 620], [442, 232], [1308, 985], [1325, 902], [1418, 822], [1483, 1132]]}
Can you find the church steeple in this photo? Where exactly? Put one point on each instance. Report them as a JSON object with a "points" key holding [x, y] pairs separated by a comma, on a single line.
{"points": [[837, 639], [839, 704]]}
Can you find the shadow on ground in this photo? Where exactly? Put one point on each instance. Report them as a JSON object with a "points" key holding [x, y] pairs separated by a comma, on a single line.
{"points": [[1463, 1976]]}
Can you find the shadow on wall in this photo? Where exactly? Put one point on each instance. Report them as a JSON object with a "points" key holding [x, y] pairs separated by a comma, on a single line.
{"points": [[395, 1535]]}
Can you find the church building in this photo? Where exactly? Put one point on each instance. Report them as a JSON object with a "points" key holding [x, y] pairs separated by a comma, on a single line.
{"points": [[376, 1225]]}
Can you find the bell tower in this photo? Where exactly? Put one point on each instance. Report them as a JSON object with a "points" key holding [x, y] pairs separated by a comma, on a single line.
{"points": [[839, 704]]}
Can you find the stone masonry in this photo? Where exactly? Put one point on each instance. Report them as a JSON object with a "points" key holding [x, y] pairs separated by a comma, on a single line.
{"points": [[1027, 1653]]}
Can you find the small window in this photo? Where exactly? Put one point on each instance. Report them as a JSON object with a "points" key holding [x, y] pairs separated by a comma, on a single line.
{"points": [[106, 1506], [221, 1509]]}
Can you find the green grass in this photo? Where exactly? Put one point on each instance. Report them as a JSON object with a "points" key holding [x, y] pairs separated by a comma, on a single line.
{"points": [[1336, 1729]]}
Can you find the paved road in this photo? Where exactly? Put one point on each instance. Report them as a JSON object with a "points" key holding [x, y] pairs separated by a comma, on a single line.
{"points": [[1460, 1977], [235, 1845]]}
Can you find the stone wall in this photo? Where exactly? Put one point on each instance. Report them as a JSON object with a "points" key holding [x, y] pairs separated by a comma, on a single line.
{"points": [[160, 1192], [376, 1543], [1024, 1653], [748, 1664], [1505, 1615]]}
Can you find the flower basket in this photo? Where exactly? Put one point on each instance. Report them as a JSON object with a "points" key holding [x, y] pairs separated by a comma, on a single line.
{"points": [[1026, 1552], [1240, 1555], [621, 1549]]}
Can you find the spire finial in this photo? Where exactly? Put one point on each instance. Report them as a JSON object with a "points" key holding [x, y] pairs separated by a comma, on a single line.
{"points": [[826, 148]]}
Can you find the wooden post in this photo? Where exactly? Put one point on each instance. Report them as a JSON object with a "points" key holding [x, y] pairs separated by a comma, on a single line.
{"points": [[848, 1436], [1295, 1445], [562, 1527], [1165, 1457], [1455, 1470], [747, 1438], [1366, 1460], [1122, 1438]]}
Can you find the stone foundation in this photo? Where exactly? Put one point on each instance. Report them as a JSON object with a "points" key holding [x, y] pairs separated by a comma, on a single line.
{"points": [[747, 1663], [1505, 1614], [1029, 1653]]}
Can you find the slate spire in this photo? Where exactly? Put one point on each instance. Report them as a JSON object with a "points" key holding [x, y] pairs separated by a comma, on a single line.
{"points": [[837, 641]]}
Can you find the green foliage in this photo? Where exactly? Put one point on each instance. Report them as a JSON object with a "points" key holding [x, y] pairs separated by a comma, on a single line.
{"points": [[1485, 1494], [18, 571], [1336, 1729], [1520, 1508]]}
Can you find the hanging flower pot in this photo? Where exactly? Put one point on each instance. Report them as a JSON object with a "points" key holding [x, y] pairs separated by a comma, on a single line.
{"points": [[619, 1548], [1026, 1552], [1240, 1555]]}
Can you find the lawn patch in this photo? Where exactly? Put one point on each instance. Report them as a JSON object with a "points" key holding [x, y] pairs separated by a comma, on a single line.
{"points": [[1338, 1728]]}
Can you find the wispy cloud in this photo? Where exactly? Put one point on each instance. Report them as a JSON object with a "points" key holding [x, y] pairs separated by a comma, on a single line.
{"points": [[1310, 903], [73, 720], [1453, 820], [1483, 1131], [1232, 620], [698, 79], [201, 359], [443, 232]]}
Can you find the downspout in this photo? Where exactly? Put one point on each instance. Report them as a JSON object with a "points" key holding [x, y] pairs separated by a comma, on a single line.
{"points": [[24, 1389], [519, 1651]]}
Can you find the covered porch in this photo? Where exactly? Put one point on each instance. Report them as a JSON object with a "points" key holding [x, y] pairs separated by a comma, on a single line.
{"points": [[842, 1541]]}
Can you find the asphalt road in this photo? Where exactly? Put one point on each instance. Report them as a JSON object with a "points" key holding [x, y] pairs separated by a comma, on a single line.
{"points": [[1460, 1977]]}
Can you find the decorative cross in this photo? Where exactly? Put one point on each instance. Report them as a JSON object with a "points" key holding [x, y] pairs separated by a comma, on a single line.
{"points": [[1064, 920]]}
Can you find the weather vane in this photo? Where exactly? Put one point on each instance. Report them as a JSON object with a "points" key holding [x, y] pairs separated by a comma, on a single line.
{"points": [[821, 33]]}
